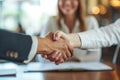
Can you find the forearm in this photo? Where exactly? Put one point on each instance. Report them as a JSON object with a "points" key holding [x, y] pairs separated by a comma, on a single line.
{"points": [[37, 47], [103, 37], [41, 45], [74, 40]]}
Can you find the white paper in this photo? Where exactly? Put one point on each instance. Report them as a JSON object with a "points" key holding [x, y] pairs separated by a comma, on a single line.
{"points": [[7, 72], [7, 69], [68, 66]]}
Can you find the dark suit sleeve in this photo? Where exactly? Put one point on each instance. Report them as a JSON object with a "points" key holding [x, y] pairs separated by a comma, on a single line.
{"points": [[14, 42]]}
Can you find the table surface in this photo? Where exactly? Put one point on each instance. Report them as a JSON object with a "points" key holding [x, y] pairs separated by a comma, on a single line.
{"points": [[81, 75]]}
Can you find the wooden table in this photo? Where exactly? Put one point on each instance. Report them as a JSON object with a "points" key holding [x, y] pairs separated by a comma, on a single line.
{"points": [[81, 75]]}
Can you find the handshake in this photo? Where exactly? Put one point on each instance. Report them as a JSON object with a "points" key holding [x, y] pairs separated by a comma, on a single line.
{"points": [[58, 47]]}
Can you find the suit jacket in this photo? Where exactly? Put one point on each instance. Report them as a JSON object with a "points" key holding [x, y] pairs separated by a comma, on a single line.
{"points": [[14, 42]]}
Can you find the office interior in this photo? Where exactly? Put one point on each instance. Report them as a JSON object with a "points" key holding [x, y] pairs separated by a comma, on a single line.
{"points": [[30, 16]]}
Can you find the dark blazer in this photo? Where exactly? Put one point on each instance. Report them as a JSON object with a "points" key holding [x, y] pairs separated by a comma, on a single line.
{"points": [[14, 42]]}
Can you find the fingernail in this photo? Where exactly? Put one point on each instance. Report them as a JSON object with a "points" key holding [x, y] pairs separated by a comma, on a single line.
{"points": [[54, 37], [56, 63], [53, 56]]}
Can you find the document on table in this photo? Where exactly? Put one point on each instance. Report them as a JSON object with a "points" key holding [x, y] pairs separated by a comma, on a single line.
{"points": [[7, 69], [7, 72], [74, 66]]}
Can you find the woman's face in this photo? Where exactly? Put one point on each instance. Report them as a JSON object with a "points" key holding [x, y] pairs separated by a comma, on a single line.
{"points": [[68, 7]]}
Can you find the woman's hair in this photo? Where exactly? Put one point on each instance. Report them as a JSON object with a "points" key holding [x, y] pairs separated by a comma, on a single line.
{"points": [[80, 15]]}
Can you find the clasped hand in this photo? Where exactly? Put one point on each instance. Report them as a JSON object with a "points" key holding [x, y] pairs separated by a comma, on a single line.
{"points": [[57, 48]]}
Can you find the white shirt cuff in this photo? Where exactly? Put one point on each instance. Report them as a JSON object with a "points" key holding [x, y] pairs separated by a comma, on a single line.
{"points": [[83, 40], [33, 49]]}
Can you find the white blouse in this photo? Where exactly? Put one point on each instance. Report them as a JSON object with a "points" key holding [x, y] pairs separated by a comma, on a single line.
{"points": [[82, 55], [103, 37]]}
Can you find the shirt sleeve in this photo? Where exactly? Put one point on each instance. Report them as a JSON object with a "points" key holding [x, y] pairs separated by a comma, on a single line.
{"points": [[92, 55], [103, 37], [33, 49]]}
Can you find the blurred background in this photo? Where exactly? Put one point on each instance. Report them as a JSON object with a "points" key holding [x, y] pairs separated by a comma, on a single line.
{"points": [[29, 16]]}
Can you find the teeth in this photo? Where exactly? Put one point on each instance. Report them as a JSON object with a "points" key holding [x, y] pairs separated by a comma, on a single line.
{"points": [[68, 7]]}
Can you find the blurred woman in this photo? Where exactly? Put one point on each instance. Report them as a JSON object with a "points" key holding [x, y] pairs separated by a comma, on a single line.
{"points": [[71, 18]]}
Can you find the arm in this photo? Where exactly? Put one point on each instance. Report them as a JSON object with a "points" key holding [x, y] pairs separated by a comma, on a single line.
{"points": [[103, 37], [26, 47], [16, 42], [92, 54]]}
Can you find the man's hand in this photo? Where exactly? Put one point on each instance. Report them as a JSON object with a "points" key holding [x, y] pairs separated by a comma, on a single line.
{"points": [[61, 48]]}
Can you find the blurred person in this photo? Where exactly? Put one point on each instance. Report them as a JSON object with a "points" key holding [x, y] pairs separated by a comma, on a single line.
{"points": [[71, 18]]}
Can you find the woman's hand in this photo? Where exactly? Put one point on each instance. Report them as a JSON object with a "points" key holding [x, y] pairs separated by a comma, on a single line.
{"points": [[72, 38]]}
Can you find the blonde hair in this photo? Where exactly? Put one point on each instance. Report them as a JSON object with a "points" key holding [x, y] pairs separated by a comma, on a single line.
{"points": [[80, 15]]}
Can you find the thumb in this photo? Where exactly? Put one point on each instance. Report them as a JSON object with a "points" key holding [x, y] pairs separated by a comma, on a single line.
{"points": [[58, 35]]}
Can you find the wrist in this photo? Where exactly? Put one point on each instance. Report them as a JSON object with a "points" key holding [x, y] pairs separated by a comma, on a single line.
{"points": [[74, 40], [41, 45]]}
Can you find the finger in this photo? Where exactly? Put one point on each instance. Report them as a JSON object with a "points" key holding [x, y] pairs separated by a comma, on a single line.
{"points": [[62, 60], [58, 56], [48, 56], [64, 56], [45, 56], [67, 53], [71, 50], [52, 56], [57, 35], [49, 35], [59, 61]]}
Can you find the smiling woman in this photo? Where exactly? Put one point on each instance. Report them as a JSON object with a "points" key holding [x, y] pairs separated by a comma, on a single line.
{"points": [[71, 10]]}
